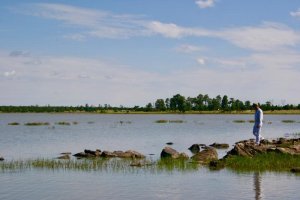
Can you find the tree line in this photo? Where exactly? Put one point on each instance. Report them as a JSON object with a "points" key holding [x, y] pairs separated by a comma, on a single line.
{"points": [[177, 103]]}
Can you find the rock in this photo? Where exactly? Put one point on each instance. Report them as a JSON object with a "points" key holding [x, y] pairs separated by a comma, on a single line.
{"points": [[249, 148], [128, 154], [169, 143], [168, 152], [296, 170], [1, 158], [88, 154], [195, 148], [108, 154], [80, 155], [92, 153], [206, 155], [66, 157], [220, 145]]}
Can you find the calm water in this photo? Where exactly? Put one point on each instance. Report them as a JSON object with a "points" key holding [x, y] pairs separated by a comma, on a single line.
{"points": [[140, 133]]}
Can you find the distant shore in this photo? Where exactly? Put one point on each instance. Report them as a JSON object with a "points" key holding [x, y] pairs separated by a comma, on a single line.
{"points": [[269, 112]]}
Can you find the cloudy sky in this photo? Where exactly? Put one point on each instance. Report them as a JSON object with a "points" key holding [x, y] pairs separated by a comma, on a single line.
{"points": [[131, 52]]}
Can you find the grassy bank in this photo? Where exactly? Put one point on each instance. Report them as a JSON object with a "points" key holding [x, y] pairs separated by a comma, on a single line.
{"points": [[107, 165], [264, 162]]}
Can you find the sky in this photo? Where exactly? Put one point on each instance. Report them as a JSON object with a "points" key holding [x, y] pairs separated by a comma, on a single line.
{"points": [[131, 52]]}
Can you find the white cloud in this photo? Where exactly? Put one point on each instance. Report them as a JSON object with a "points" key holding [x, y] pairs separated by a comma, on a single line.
{"points": [[205, 3], [9, 73], [76, 37], [187, 48], [295, 14], [96, 22], [201, 61], [77, 80], [266, 37]]}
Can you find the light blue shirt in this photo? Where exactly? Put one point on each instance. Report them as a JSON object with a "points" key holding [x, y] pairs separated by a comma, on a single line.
{"points": [[258, 117]]}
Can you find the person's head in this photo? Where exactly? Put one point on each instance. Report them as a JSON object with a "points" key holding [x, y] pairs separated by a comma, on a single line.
{"points": [[255, 105]]}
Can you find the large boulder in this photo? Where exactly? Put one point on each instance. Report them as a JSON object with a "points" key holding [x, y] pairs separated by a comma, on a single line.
{"points": [[169, 152], [206, 155], [248, 148]]}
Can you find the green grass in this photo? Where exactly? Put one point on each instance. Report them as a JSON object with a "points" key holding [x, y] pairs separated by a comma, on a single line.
{"points": [[14, 123], [101, 164], [37, 124], [288, 121], [63, 123], [263, 162]]}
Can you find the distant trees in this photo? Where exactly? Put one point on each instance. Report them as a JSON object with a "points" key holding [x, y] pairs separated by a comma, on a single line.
{"points": [[177, 103]]}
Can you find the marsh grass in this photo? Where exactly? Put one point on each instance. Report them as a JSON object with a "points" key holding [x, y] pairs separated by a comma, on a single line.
{"points": [[14, 123], [263, 162], [168, 164], [288, 121], [239, 121], [62, 123], [101, 164], [169, 121], [37, 124]]}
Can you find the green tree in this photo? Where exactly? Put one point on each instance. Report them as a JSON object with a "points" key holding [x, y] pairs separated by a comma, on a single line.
{"points": [[178, 102], [160, 105], [224, 104]]}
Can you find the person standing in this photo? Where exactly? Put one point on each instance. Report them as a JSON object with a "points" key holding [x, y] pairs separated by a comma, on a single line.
{"points": [[258, 122]]}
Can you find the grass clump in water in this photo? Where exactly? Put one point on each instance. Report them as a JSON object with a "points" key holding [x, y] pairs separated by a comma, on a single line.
{"points": [[169, 164], [63, 123], [239, 121], [169, 121], [263, 162], [14, 123], [288, 121], [37, 124]]}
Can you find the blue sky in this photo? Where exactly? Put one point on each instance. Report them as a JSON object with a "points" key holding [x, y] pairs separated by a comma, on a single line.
{"points": [[131, 52]]}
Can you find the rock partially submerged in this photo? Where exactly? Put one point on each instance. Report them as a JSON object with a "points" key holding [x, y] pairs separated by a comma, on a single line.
{"points": [[64, 157], [205, 156], [108, 154], [1, 158], [248, 148], [220, 145], [169, 152]]}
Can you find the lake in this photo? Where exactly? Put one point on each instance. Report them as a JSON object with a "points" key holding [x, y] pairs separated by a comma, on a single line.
{"points": [[143, 134]]}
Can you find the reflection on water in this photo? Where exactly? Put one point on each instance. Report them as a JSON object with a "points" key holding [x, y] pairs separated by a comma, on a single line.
{"points": [[257, 185]]}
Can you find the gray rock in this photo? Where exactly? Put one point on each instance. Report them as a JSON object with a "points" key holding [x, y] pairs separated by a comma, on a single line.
{"points": [[206, 155], [108, 154], [220, 145], [195, 148], [64, 157], [169, 152]]}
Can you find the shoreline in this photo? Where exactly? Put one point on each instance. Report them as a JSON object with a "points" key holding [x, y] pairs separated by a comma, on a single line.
{"points": [[111, 112]]}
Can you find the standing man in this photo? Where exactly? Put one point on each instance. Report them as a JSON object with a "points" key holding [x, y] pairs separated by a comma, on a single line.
{"points": [[258, 122]]}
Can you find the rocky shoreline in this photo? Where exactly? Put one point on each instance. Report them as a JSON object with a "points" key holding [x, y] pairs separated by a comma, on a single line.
{"points": [[202, 154]]}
